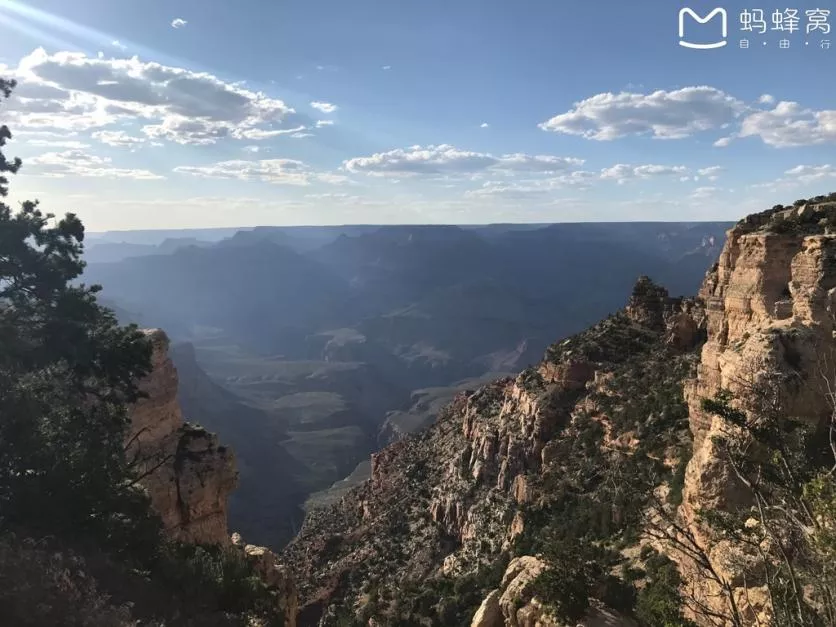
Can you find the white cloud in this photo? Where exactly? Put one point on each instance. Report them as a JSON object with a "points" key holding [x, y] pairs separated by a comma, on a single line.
{"points": [[811, 173], [178, 22], [301, 135], [766, 99], [329, 196], [484, 125], [661, 114], [620, 173], [118, 139], [807, 178], [704, 193], [276, 171], [78, 163], [624, 172], [253, 149], [183, 130], [118, 44], [789, 125], [321, 123], [710, 171], [57, 143], [448, 160], [72, 91], [535, 189], [256, 134], [387, 67], [508, 191], [324, 107]]}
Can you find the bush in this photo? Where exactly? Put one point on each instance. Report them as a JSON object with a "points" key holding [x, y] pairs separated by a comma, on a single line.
{"points": [[220, 574], [659, 603], [41, 587]]}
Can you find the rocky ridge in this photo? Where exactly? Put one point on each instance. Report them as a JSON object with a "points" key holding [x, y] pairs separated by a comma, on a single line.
{"points": [[431, 533]]}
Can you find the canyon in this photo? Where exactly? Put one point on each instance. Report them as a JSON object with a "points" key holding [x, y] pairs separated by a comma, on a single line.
{"points": [[308, 349], [528, 483], [462, 521]]}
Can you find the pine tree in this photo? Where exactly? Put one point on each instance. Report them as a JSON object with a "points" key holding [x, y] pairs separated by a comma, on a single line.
{"points": [[67, 373]]}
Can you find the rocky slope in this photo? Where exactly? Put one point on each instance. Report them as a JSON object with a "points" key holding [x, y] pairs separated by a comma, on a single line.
{"points": [[429, 536], [562, 496]]}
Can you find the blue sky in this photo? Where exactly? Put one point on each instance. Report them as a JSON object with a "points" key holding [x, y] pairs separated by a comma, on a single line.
{"points": [[187, 113]]}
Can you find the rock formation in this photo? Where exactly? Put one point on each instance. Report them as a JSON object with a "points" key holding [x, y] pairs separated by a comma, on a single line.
{"points": [[513, 604], [189, 476], [521, 485], [274, 574], [770, 311]]}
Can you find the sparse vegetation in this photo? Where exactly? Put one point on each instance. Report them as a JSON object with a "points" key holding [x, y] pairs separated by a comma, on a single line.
{"points": [[786, 466], [608, 463]]}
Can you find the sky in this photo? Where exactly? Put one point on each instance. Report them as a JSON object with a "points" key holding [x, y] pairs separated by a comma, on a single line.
{"points": [[143, 114]]}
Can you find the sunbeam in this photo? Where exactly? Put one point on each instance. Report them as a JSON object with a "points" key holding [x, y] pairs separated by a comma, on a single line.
{"points": [[30, 30], [88, 39]]}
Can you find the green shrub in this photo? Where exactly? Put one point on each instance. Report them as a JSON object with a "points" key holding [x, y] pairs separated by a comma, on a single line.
{"points": [[659, 603], [221, 574], [677, 482]]}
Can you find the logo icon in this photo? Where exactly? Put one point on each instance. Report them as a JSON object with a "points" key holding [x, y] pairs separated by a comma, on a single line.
{"points": [[724, 21]]}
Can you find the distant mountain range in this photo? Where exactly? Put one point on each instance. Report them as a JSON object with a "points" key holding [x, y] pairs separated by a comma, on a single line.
{"points": [[308, 337]]}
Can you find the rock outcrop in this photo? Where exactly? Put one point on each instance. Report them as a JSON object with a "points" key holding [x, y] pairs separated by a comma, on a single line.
{"points": [[514, 604], [770, 304], [189, 475], [274, 574]]}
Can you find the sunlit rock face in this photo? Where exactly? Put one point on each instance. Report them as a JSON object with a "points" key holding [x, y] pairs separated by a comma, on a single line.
{"points": [[189, 475], [769, 305]]}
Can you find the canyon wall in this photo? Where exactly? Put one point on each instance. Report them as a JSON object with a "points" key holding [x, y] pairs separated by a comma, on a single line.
{"points": [[770, 320]]}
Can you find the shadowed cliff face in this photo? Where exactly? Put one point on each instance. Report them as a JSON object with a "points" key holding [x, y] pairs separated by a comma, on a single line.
{"points": [[188, 475]]}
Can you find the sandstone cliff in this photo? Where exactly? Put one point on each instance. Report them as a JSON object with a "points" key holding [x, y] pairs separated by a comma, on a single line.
{"points": [[770, 306], [189, 476], [558, 496]]}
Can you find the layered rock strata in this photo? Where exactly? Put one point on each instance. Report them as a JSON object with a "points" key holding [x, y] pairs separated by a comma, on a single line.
{"points": [[770, 305]]}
